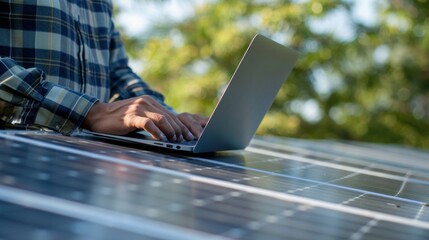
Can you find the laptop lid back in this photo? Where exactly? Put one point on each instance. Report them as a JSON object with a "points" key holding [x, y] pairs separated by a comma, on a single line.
{"points": [[248, 96]]}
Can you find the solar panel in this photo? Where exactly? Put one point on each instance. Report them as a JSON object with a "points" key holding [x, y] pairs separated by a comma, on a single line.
{"points": [[80, 187]]}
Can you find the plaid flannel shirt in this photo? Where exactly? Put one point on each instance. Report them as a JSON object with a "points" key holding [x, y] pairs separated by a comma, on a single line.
{"points": [[57, 58]]}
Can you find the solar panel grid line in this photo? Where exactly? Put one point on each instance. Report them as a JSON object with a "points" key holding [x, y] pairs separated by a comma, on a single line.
{"points": [[181, 207], [330, 181], [346, 202], [268, 211], [354, 174], [316, 157], [381, 205], [364, 230], [300, 189], [264, 174], [287, 197], [297, 149], [327, 194], [401, 188], [386, 230], [92, 155], [371, 184], [297, 189], [326, 164], [406, 212], [293, 219], [53, 172], [257, 225], [237, 221], [319, 183], [32, 224], [386, 176], [406, 178], [353, 222], [420, 213], [85, 212], [375, 152], [64, 175], [300, 223], [259, 141], [152, 153], [285, 216], [330, 154], [412, 180], [409, 152], [396, 157], [416, 192]]}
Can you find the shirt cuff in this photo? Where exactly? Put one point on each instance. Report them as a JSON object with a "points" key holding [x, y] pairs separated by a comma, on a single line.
{"points": [[62, 109]]}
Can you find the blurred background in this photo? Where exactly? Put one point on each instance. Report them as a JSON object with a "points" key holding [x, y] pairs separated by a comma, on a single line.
{"points": [[363, 74]]}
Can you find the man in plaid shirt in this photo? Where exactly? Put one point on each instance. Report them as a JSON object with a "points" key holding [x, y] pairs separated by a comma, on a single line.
{"points": [[63, 66]]}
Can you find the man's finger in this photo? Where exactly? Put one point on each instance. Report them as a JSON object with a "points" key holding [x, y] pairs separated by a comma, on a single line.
{"points": [[148, 125], [202, 120], [163, 122], [182, 132], [193, 123], [150, 108]]}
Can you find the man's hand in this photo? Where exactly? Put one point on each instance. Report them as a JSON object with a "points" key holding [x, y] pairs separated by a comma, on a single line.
{"points": [[145, 113], [195, 123]]}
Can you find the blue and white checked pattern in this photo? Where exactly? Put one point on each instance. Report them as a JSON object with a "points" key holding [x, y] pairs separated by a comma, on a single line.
{"points": [[57, 58]]}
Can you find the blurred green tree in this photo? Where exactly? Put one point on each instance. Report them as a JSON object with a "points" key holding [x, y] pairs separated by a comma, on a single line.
{"points": [[355, 80]]}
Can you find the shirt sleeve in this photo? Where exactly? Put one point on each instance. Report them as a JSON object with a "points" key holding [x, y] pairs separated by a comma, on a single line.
{"points": [[27, 98], [124, 82]]}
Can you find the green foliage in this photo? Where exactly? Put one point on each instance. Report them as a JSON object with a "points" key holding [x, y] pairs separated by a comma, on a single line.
{"points": [[371, 85]]}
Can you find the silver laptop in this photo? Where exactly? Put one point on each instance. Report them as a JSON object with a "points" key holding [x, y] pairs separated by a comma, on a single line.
{"points": [[247, 98]]}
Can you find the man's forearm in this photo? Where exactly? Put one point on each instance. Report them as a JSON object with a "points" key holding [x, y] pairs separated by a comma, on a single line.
{"points": [[36, 101]]}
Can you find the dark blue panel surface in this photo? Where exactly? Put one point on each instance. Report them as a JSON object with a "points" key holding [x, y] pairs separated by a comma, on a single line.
{"points": [[84, 188]]}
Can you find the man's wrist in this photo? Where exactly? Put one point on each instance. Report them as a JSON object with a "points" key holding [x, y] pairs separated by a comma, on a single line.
{"points": [[94, 115]]}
